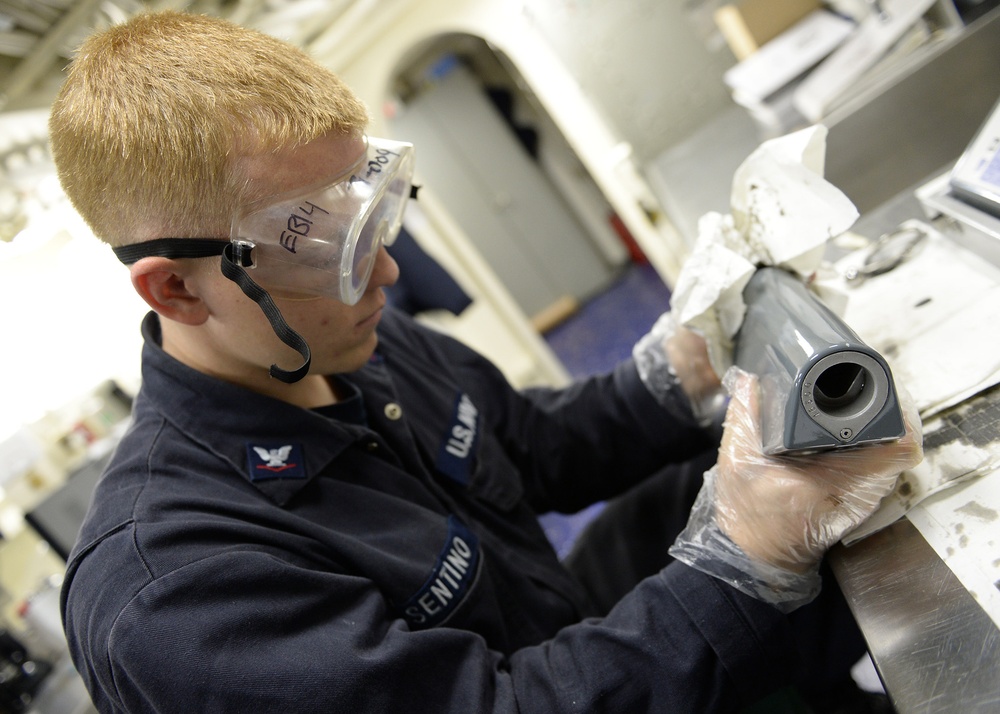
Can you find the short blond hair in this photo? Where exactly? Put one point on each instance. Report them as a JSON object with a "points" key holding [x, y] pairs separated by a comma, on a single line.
{"points": [[154, 112]]}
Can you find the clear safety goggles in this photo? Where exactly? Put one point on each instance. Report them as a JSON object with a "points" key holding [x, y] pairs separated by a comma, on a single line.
{"points": [[322, 240]]}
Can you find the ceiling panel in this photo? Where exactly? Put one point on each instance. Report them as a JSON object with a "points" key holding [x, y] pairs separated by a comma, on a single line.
{"points": [[37, 37]]}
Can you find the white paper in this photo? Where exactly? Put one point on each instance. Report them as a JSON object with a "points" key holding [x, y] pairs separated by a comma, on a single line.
{"points": [[783, 214]]}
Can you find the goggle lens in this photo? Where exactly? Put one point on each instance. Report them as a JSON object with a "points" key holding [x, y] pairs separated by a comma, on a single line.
{"points": [[381, 228]]}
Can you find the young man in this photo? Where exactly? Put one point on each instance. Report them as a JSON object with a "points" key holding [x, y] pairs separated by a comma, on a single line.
{"points": [[322, 506]]}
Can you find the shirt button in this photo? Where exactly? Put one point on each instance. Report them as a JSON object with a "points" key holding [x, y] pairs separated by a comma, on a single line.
{"points": [[393, 411], [371, 445]]}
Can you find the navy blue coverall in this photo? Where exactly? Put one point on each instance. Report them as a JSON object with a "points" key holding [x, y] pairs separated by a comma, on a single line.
{"points": [[383, 554]]}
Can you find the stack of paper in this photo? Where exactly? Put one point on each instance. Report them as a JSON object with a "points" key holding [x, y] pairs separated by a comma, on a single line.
{"points": [[875, 36], [786, 57]]}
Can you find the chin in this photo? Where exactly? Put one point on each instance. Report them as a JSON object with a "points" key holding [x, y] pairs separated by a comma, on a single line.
{"points": [[349, 360]]}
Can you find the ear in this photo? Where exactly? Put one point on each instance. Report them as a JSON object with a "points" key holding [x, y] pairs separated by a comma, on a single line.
{"points": [[167, 286]]}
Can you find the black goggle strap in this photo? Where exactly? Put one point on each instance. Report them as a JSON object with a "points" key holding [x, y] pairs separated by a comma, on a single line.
{"points": [[232, 268], [171, 248]]}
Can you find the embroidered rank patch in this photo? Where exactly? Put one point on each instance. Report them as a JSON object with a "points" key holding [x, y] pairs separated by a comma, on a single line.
{"points": [[456, 456], [449, 582], [271, 461]]}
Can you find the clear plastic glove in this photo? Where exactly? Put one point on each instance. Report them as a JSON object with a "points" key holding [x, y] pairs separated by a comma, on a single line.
{"points": [[763, 523], [673, 363]]}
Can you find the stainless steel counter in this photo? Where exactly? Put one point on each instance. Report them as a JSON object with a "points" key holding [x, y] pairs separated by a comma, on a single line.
{"points": [[934, 647]]}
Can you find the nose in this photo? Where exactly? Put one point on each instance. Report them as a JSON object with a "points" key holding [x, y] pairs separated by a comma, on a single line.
{"points": [[386, 270]]}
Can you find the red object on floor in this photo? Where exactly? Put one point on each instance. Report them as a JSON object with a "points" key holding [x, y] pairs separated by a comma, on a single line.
{"points": [[634, 251]]}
